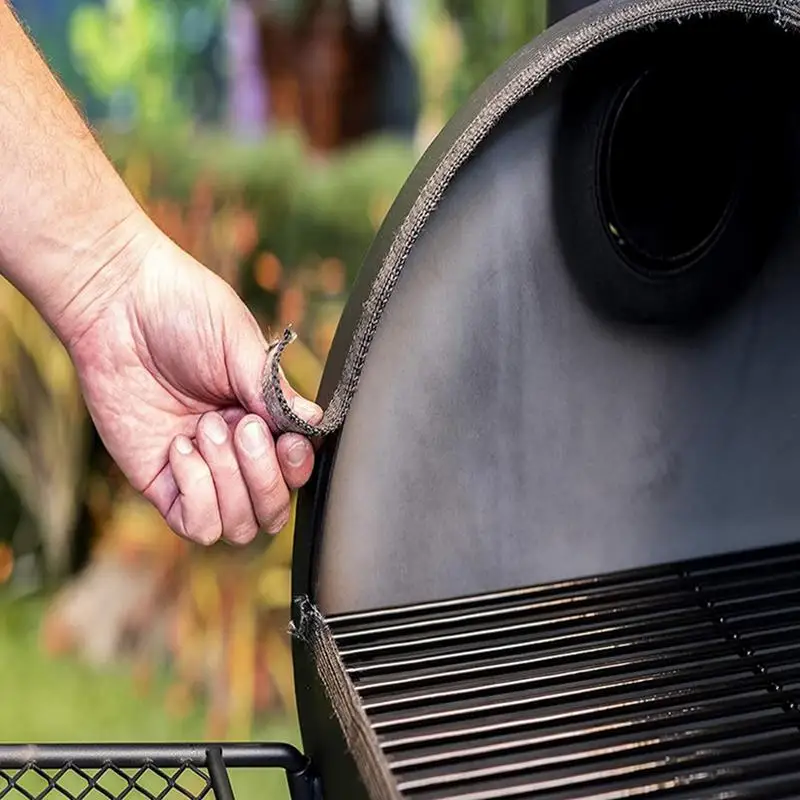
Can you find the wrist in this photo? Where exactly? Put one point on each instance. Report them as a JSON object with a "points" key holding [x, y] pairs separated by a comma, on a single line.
{"points": [[100, 275]]}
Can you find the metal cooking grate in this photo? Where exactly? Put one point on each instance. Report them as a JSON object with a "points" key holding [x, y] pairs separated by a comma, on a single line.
{"points": [[142, 772], [674, 682]]}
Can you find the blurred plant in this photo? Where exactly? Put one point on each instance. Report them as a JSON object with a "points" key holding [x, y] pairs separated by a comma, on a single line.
{"points": [[439, 55], [6, 562], [43, 433], [138, 54], [491, 32], [48, 23], [275, 222]]}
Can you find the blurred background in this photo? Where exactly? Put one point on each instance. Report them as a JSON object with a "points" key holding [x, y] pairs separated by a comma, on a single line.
{"points": [[268, 138]]}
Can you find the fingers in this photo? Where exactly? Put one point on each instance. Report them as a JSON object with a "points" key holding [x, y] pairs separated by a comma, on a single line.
{"points": [[258, 461], [215, 442], [233, 480], [194, 512], [296, 458]]}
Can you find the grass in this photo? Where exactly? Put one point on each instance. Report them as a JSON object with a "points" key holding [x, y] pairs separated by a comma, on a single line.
{"points": [[59, 700]]}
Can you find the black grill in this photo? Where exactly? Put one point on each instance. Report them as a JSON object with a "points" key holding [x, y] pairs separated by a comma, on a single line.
{"points": [[142, 772], [679, 681]]}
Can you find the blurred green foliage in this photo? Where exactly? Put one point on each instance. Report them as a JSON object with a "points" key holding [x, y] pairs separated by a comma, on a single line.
{"points": [[153, 63], [306, 209], [48, 21], [491, 32]]}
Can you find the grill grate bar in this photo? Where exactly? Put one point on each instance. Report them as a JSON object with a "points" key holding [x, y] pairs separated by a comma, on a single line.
{"points": [[582, 718], [665, 664], [633, 597], [661, 730], [425, 674], [596, 625], [666, 593], [710, 757], [692, 627], [681, 606], [362, 620], [652, 779], [674, 683]]}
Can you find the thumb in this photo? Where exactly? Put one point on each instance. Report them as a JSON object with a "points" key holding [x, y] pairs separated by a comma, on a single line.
{"points": [[305, 409], [290, 413], [248, 362]]}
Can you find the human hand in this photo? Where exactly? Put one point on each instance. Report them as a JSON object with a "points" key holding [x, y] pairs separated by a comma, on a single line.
{"points": [[171, 365]]}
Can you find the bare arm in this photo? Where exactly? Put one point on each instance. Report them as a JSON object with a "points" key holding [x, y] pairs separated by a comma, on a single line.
{"points": [[67, 220], [169, 357]]}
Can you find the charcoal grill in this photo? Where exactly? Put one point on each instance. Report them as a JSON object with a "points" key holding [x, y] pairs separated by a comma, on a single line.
{"points": [[550, 548]]}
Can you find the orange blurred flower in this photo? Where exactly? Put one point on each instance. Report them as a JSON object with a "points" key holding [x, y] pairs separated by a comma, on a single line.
{"points": [[168, 215], [323, 337], [292, 306], [268, 270], [6, 562], [246, 233], [332, 276], [202, 199]]}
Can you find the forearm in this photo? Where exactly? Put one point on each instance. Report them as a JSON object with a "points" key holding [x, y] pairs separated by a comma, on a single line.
{"points": [[67, 220]]}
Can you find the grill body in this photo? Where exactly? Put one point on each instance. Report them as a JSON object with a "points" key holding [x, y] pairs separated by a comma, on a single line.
{"points": [[573, 343]]}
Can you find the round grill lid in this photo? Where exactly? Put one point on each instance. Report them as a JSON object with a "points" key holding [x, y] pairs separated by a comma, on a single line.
{"points": [[572, 348]]}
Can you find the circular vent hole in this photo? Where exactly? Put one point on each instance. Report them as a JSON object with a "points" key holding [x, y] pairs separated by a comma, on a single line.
{"points": [[669, 166]]}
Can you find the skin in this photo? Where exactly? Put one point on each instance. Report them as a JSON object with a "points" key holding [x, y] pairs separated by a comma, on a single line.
{"points": [[169, 358]]}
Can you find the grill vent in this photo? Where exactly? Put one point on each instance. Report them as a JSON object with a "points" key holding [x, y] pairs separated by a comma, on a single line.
{"points": [[680, 681]]}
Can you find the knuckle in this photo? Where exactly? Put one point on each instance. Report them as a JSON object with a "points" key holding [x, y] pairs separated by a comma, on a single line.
{"points": [[278, 521], [243, 534], [207, 535], [273, 483], [204, 528]]}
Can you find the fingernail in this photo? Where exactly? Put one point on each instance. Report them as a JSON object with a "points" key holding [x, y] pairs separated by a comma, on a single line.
{"points": [[298, 452], [306, 410], [216, 429], [253, 439], [183, 446]]}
